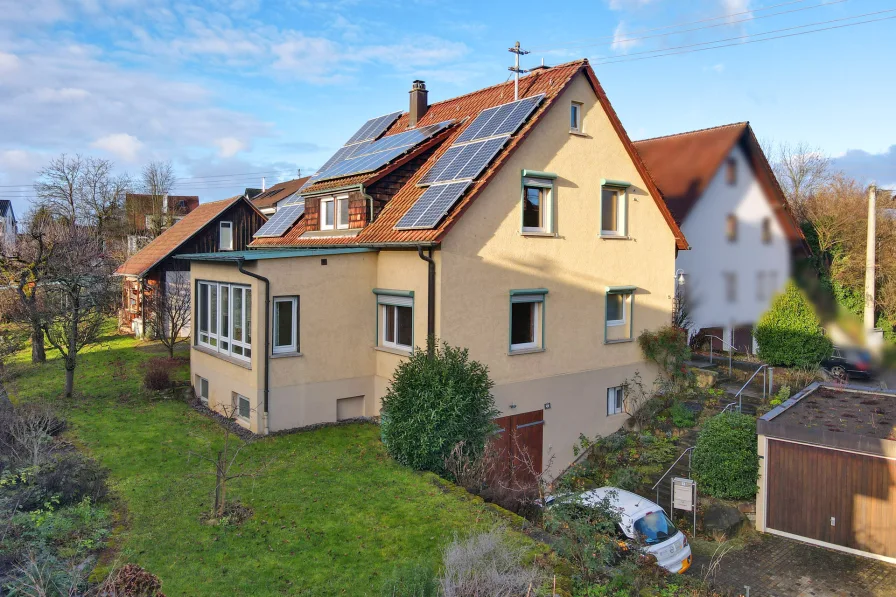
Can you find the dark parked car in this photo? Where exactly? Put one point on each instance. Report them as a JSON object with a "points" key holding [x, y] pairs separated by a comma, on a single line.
{"points": [[846, 363]]}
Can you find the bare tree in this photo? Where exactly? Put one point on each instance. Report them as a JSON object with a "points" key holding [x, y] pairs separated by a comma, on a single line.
{"points": [[101, 196], [224, 460], [801, 170], [24, 269], [79, 291], [156, 180], [169, 312], [59, 186]]}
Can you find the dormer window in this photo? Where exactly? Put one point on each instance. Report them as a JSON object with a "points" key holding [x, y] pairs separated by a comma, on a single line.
{"points": [[225, 236], [342, 212], [327, 213]]}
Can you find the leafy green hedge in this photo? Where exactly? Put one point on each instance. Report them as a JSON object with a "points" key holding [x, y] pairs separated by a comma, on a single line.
{"points": [[789, 334], [726, 461], [435, 403]]}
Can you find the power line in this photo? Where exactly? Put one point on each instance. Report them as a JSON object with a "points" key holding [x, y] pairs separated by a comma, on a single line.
{"points": [[728, 24], [209, 178], [751, 35], [745, 42], [639, 31]]}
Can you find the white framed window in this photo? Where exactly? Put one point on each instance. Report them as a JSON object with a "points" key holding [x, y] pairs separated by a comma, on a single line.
{"points": [[225, 236], [618, 314], [527, 320], [224, 316], [613, 210], [243, 407], [395, 316], [202, 389], [615, 400], [286, 324], [342, 212], [731, 228], [761, 290], [327, 213], [575, 117], [731, 171], [537, 205], [730, 286], [767, 230]]}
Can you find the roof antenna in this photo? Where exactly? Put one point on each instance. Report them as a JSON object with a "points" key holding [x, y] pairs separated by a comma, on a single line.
{"points": [[515, 69], [299, 171]]}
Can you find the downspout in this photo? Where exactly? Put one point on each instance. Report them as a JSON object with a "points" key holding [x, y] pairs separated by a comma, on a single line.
{"points": [[430, 300], [141, 281], [369, 204], [267, 326]]}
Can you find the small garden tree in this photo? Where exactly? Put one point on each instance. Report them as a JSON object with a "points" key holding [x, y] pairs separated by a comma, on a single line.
{"points": [[435, 403], [668, 348], [726, 460], [789, 334]]}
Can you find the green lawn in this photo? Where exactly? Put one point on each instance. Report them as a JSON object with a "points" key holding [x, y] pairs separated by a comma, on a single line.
{"points": [[333, 514]]}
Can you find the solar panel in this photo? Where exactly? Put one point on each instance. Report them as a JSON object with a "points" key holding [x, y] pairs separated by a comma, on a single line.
{"points": [[370, 155], [292, 200], [464, 161], [500, 120], [432, 206], [281, 221], [373, 128]]}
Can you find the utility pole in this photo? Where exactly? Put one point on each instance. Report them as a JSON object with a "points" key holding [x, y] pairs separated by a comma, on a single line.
{"points": [[870, 260], [515, 69]]}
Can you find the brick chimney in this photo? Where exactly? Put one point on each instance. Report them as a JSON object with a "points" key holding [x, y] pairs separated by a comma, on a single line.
{"points": [[419, 102]]}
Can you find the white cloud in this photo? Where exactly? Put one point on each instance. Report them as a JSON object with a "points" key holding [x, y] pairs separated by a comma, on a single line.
{"points": [[122, 145], [621, 43], [629, 4], [738, 8], [313, 59], [8, 62], [229, 146]]}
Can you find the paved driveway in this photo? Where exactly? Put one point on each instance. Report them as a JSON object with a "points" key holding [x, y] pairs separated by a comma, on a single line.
{"points": [[778, 567]]}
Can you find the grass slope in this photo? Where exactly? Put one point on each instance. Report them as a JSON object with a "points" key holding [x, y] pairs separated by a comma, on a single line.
{"points": [[333, 514]]}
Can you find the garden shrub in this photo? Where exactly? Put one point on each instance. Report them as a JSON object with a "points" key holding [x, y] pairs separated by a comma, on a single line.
{"points": [[72, 478], [487, 564], [133, 581], [158, 374], [626, 478], [682, 417], [725, 460], [668, 348], [435, 403], [789, 334]]}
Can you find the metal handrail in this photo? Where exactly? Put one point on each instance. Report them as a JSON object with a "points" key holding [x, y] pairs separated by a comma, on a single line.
{"points": [[727, 406], [730, 351], [741, 398], [669, 470]]}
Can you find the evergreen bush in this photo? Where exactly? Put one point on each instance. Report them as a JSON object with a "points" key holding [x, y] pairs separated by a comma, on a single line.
{"points": [[726, 460], [789, 334], [434, 404]]}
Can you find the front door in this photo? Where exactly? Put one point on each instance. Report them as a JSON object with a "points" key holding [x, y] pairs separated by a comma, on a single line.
{"points": [[519, 443]]}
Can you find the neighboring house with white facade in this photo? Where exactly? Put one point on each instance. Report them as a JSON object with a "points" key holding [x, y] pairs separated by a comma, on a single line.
{"points": [[8, 224], [723, 194]]}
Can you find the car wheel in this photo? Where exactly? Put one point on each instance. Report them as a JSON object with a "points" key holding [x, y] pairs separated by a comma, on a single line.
{"points": [[839, 372]]}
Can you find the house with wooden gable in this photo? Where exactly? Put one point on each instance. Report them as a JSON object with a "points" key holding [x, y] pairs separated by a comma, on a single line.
{"points": [[724, 196], [523, 227], [226, 225]]}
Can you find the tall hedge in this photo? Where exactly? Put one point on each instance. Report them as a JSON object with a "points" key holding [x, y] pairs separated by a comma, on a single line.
{"points": [[789, 334], [433, 404], [726, 459]]}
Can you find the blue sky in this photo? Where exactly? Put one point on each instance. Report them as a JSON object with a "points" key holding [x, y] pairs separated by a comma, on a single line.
{"points": [[229, 88]]}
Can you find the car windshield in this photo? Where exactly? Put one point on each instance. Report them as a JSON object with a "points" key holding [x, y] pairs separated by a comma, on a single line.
{"points": [[655, 528]]}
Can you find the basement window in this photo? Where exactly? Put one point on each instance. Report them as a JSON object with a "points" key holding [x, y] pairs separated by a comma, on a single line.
{"points": [[202, 389], [243, 407], [615, 400]]}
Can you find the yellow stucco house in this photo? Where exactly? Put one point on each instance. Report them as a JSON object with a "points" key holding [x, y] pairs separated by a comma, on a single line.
{"points": [[527, 230]]}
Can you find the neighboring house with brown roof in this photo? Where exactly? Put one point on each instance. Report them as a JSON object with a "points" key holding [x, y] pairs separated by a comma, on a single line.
{"points": [[148, 215], [721, 189], [266, 201], [528, 232], [8, 225], [226, 225]]}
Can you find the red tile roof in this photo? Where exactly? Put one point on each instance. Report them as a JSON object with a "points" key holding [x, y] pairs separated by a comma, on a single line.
{"points": [[278, 192], [168, 242], [551, 82], [683, 165]]}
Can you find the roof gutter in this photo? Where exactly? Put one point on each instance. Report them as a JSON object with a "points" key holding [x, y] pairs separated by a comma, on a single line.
{"points": [[267, 326]]}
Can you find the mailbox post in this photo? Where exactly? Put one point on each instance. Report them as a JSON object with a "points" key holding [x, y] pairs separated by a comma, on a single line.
{"points": [[684, 497]]}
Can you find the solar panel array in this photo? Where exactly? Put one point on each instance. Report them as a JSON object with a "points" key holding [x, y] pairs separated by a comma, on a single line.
{"points": [[281, 221], [432, 206], [464, 161], [500, 120], [470, 154], [370, 155], [373, 128]]}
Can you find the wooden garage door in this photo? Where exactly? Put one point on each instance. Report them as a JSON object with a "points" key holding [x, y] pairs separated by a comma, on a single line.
{"points": [[808, 486], [519, 445]]}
